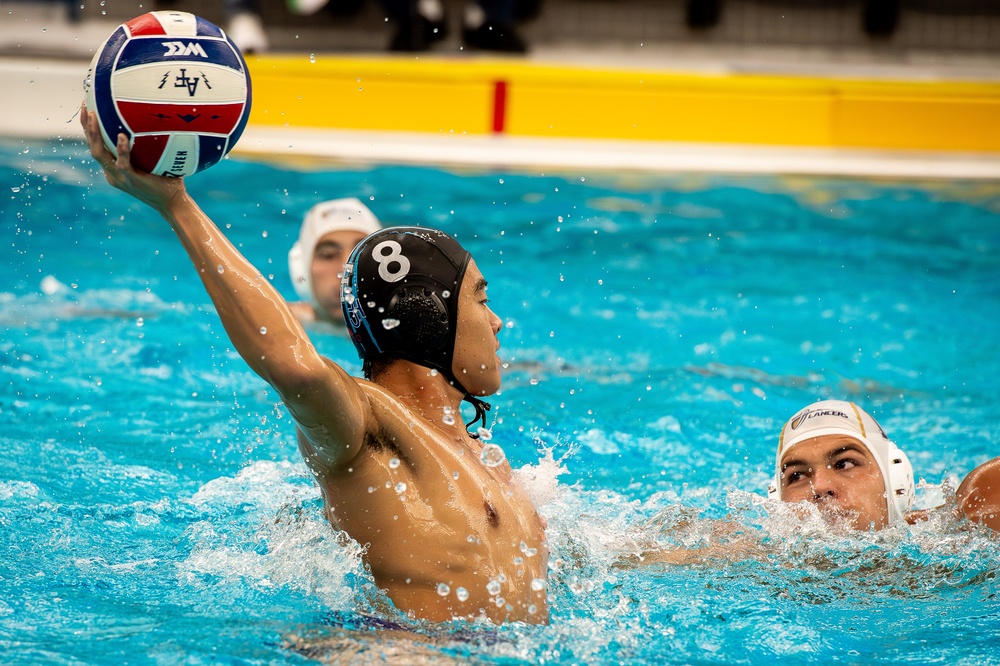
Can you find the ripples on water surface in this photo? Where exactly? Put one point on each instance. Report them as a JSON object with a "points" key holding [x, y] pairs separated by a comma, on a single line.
{"points": [[659, 329]]}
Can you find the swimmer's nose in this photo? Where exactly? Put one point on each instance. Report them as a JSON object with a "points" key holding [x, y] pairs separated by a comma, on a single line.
{"points": [[496, 323], [823, 484]]}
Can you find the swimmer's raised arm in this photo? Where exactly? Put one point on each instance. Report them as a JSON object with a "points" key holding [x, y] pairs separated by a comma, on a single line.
{"points": [[256, 317]]}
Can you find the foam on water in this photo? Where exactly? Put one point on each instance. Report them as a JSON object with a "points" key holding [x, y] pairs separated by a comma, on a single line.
{"points": [[264, 529]]}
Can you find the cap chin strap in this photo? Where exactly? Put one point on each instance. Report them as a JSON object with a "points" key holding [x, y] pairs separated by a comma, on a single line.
{"points": [[481, 408]]}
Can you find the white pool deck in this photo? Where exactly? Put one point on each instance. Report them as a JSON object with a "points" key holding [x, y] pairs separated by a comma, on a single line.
{"points": [[43, 59]]}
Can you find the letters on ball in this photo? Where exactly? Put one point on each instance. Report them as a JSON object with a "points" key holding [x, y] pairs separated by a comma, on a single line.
{"points": [[176, 85]]}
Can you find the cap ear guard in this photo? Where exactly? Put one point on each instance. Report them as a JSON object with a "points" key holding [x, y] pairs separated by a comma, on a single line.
{"points": [[423, 319], [298, 267], [900, 475]]}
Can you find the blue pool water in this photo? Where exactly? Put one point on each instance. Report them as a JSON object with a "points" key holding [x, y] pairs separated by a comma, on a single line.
{"points": [[659, 329]]}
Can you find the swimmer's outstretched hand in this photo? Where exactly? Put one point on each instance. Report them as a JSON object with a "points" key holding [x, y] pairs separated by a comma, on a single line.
{"points": [[158, 192]]}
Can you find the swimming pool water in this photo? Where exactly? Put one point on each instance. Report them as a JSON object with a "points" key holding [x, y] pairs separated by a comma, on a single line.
{"points": [[659, 329]]}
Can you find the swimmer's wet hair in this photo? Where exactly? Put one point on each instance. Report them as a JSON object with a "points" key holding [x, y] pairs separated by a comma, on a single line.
{"points": [[375, 365]]}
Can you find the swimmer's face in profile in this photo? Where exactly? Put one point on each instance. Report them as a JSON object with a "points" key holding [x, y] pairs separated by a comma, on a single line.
{"points": [[839, 475], [327, 268], [475, 362]]}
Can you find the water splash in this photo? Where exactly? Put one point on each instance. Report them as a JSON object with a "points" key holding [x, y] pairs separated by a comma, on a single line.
{"points": [[492, 455]]}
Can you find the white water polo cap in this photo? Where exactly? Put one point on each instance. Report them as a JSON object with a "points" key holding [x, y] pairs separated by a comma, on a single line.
{"points": [[839, 417], [335, 215]]}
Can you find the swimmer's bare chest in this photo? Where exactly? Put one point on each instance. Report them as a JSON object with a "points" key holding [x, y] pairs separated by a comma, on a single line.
{"points": [[446, 535]]}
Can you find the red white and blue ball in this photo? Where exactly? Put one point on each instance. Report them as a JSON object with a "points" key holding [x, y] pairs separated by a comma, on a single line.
{"points": [[176, 85]]}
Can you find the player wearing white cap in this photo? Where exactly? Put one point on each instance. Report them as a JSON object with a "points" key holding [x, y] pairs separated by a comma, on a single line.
{"points": [[836, 456], [329, 233]]}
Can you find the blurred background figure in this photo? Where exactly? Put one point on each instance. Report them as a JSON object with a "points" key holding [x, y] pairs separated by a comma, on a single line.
{"points": [[487, 25], [245, 26], [329, 232]]}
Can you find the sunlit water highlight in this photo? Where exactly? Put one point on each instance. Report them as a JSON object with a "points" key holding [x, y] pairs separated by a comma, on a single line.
{"points": [[154, 509]]}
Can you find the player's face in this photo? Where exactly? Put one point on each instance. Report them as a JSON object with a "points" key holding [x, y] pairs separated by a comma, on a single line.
{"points": [[475, 363], [327, 268], [841, 477]]}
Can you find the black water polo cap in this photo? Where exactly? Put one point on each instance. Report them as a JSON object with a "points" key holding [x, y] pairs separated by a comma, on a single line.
{"points": [[400, 296]]}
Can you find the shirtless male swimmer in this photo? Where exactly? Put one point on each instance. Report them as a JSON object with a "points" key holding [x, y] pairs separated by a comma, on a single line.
{"points": [[446, 536]]}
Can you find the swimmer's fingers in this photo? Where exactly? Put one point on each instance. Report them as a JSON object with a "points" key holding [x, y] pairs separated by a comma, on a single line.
{"points": [[92, 130], [156, 191]]}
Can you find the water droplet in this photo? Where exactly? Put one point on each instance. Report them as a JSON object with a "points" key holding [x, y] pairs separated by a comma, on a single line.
{"points": [[393, 463], [389, 323], [443, 589], [499, 601], [538, 584], [263, 330], [371, 304], [445, 294], [471, 538], [532, 609], [502, 578], [484, 434], [139, 322], [518, 560], [312, 58], [400, 487], [448, 419], [493, 587], [454, 475], [461, 594], [492, 455], [263, 234], [221, 269], [371, 489]]}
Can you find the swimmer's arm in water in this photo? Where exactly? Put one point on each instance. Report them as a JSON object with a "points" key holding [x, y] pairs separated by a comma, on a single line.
{"points": [[727, 552], [329, 406], [721, 540]]}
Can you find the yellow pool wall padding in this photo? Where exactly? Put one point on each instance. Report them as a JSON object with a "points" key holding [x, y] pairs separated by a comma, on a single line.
{"points": [[459, 95]]}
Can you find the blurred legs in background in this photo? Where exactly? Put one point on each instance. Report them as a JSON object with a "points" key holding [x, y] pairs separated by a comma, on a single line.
{"points": [[245, 26], [486, 24]]}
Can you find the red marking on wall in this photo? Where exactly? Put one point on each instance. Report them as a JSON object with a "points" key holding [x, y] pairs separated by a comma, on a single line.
{"points": [[499, 106]]}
